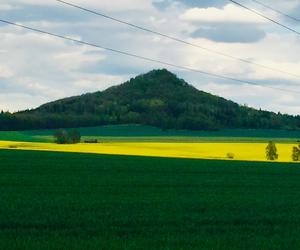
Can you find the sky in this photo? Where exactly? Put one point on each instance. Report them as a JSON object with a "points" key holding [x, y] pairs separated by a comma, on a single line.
{"points": [[37, 68]]}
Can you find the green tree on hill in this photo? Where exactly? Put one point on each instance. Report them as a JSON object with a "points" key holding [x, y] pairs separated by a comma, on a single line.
{"points": [[271, 151]]}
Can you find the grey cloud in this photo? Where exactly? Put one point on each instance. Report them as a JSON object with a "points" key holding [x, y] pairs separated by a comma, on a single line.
{"points": [[296, 14], [204, 3], [28, 13], [231, 33]]}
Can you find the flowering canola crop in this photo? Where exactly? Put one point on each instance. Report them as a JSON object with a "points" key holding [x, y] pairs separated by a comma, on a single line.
{"points": [[239, 151]]}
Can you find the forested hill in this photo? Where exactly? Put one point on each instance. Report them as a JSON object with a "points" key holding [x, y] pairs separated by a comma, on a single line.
{"points": [[157, 98]]}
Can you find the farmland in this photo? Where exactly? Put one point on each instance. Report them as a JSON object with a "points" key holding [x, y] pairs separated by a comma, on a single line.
{"points": [[52, 200], [142, 188], [140, 133], [250, 151], [247, 145], [154, 124]]}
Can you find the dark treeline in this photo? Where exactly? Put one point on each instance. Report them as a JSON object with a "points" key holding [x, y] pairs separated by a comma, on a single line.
{"points": [[158, 99], [45, 121]]}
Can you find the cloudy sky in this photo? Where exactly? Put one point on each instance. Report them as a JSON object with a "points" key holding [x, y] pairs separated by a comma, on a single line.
{"points": [[36, 68]]}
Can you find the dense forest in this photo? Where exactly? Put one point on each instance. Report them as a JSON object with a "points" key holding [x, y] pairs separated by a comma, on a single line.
{"points": [[157, 98]]}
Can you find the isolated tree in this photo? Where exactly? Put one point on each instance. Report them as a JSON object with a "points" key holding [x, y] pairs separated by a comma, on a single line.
{"points": [[67, 137], [271, 151], [74, 136], [61, 136], [296, 153]]}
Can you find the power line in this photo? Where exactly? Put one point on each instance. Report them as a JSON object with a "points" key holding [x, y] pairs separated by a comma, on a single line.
{"points": [[265, 17], [276, 10], [143, 57], [178, 39]]}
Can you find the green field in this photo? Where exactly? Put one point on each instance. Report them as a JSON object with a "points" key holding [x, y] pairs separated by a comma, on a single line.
{"points": [[81, 201], [150, 134]]}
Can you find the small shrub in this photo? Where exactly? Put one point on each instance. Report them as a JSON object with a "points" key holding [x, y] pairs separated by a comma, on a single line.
{"points": [[91, 141], [230, 155]]}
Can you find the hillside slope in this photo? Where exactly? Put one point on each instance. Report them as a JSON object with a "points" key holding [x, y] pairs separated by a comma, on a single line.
{"points": [[157, 98]]}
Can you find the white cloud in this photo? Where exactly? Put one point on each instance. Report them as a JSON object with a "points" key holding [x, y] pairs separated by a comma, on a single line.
{"points": [[6, 7], [5, 71], [74, 59], [98, 82], [230, 13], [273, 51], [19, 101], [107, 5], [267, 99]]}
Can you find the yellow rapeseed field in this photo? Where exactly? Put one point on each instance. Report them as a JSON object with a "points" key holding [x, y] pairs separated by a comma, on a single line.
{"points": [[240, 151]]}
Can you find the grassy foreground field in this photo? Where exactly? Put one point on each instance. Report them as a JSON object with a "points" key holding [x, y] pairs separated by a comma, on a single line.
{"points": [[250, 151], [78, 201]]}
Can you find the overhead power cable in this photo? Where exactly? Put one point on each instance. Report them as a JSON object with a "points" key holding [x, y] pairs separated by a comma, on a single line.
{"points": [[276, 10], [143, 57], [265, 17], [178, 39]]}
